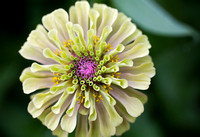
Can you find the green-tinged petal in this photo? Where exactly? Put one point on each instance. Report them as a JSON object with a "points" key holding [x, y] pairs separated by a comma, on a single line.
{"points": [[69, 26], [68, 123], [64, 98], [53, 35], [93, 113], [30, 52], [115, 118], [140, 81], [143, 39], [106, 127], [83, 110], [87, 99], [133, 105], [61, 18], [123, 127], [37, 67], [58, 68], [90, 34], [41, 98], [44, 114], [120, 82], [27, 73], [72, 89], [106, 31], [110, 99], [35, 112], [59, 132], [82, 10], [137, 51], [73, 15], [117, 50], [121, 19], [113, 68], [125, 63], [60, 86], [82, 128], [125, 30], [132, 37], [100, 8], [52, 120], [139, 61], [122, 111], [79, 31], [71, 110], [38, 38], [57, 20], [94, 129], [93, 14], [146, 68], [109, 16], [51, 55], [134, 93], [32, 84], [106, 81]]}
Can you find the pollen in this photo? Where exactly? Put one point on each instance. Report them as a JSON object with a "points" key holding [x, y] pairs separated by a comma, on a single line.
{"points": [[67, 43], [114, 58], [81, 98], [116, 74], [107, 88], [56, 78], [96, 39], [108, 47]]}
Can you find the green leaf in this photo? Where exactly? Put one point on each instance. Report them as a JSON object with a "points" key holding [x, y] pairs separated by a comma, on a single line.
{"points": [[153, 18]]}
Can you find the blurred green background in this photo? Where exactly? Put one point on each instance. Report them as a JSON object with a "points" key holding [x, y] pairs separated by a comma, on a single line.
{"points": [[173, 108]]}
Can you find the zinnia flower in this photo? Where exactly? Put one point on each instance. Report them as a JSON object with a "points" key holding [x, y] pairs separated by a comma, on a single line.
{"points": [[88, 66]]}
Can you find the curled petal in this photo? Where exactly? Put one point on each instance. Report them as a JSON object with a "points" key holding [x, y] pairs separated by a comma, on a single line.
{"points": [[82, 10], [125, 30], [27, 73], [60, 132], [82, 128], [109, 16], [57, 19], [146, 68], [133, 105], [123, 127], [32, 84], [94, 129], [68, 123], [106, 127], [140, 81], [115, 118], [52, 120], [30, 52]]}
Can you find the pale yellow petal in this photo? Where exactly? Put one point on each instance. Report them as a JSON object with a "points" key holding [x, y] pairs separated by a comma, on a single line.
{"points": [[32, 84], [133, 105], [82, 10], [82, 128], [140, 81]]}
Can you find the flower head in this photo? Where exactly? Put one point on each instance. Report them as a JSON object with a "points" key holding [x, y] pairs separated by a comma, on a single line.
{"points": [[89, 65]]}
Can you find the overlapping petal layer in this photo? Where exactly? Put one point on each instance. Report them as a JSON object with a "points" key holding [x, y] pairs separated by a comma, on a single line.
{"points": [[89, 65]]}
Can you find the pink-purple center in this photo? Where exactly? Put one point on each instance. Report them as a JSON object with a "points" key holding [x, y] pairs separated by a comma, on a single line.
{"points": [[85, 67]]}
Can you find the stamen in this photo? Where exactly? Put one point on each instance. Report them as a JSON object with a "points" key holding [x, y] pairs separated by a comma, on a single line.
{"points": [[57, 52], [96, 39], [108, 47], [114, 58], [56, 79], [107, 88], [116, 74]]}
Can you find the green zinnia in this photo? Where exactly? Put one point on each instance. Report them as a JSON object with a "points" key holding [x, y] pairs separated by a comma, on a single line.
{"points": [[89, 65]]}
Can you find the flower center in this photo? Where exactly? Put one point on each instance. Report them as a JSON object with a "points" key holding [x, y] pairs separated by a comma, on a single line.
{"points": [[85, 67]]}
